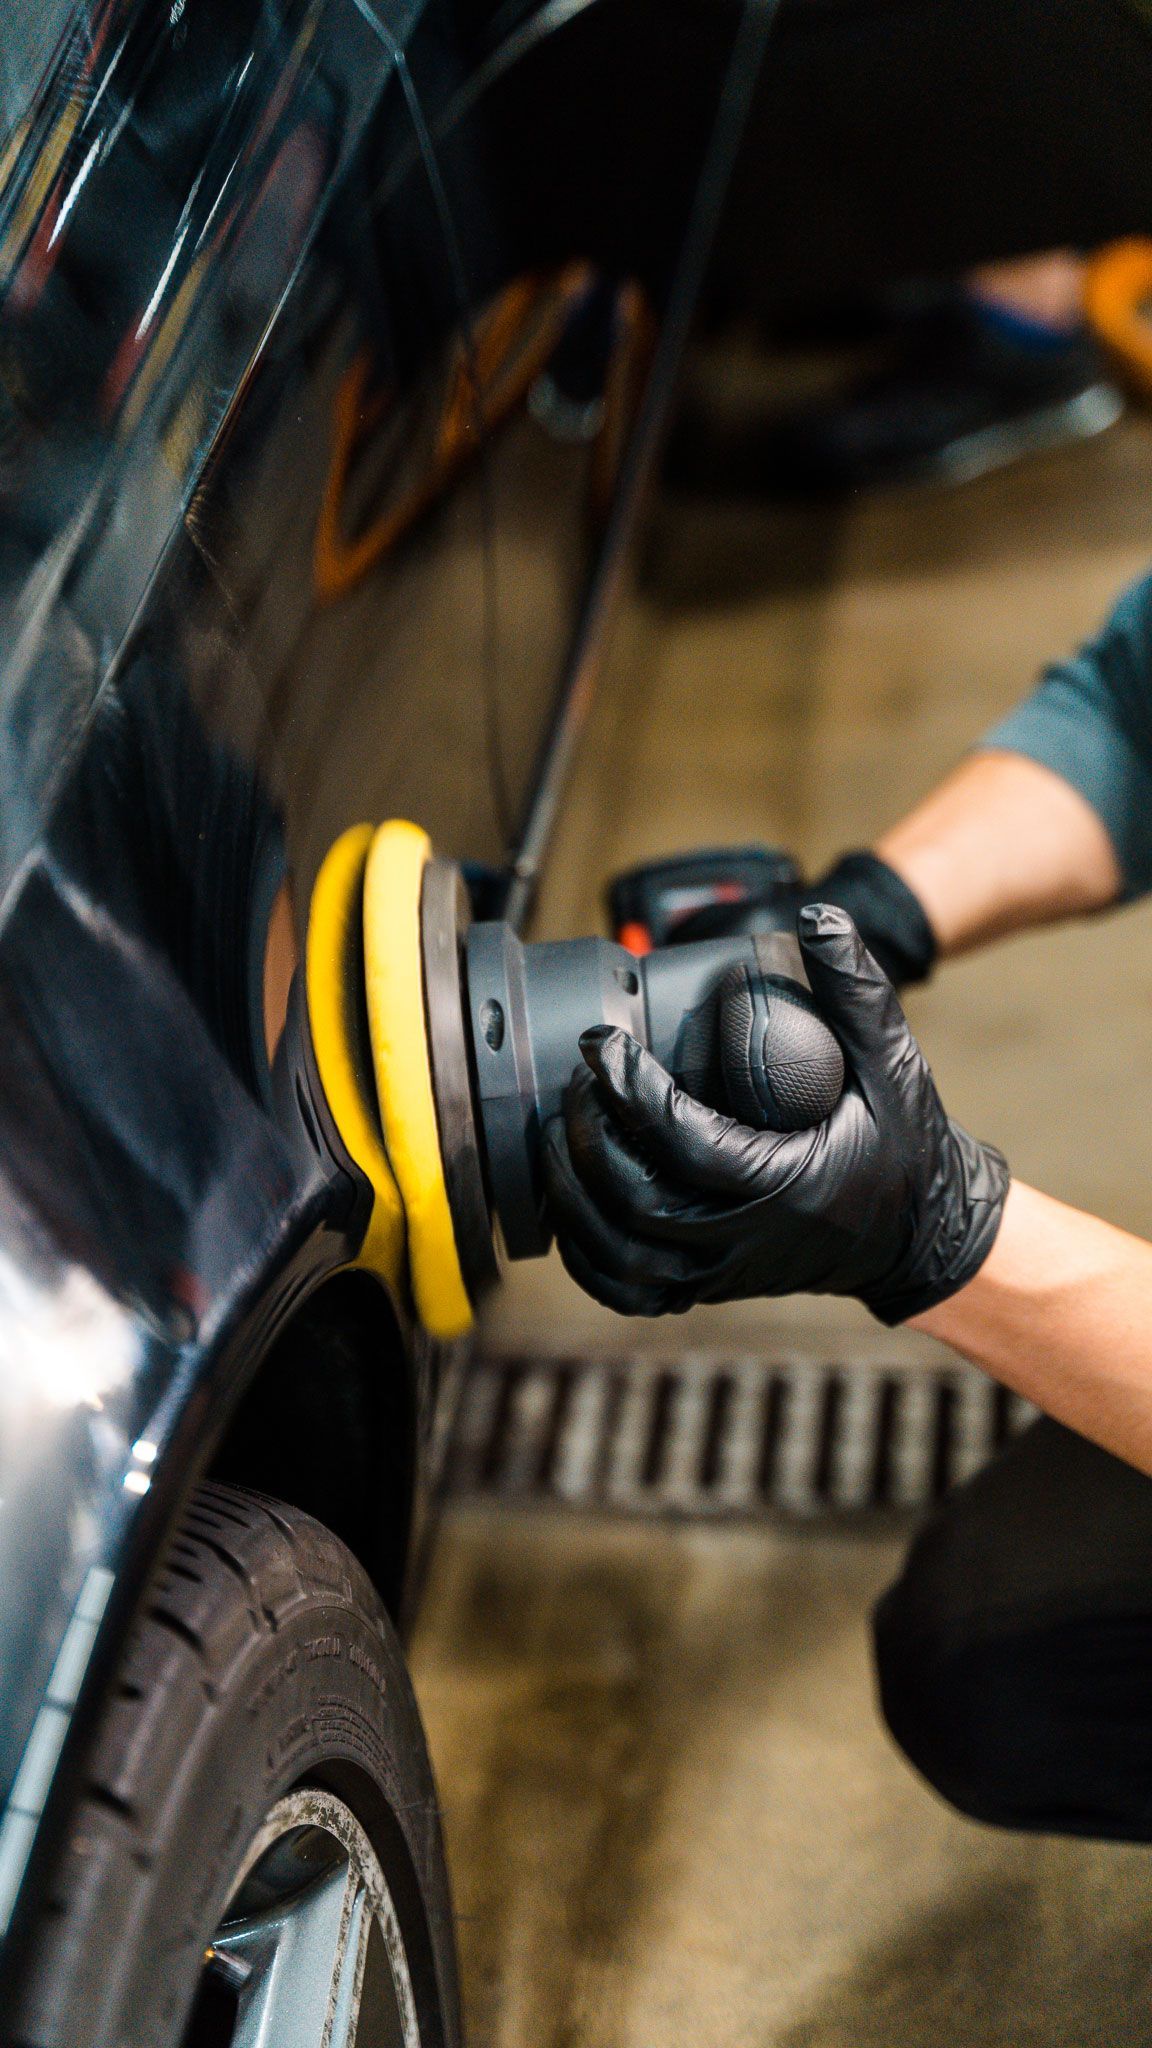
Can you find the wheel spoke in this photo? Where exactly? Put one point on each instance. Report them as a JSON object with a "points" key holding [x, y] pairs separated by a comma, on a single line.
{"points": [[297, 1956], [310, 1953]]}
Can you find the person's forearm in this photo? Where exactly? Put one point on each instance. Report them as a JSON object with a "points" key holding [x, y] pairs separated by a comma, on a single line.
{"points": [[1061, 1311], [1002, 844]]}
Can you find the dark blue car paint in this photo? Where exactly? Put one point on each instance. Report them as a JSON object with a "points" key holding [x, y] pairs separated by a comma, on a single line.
{"points": [[208, 216]]}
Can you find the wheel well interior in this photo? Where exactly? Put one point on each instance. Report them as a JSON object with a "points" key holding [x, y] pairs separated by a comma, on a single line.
{"points": [[329, 1425]]}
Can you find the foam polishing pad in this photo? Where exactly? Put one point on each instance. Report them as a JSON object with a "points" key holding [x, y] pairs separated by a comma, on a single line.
{"points": [[334, 970], [394, 981]]}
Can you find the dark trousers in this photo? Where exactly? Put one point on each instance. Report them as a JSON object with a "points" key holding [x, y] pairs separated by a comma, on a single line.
{"points": [[910, 138], [1015, 1651]]}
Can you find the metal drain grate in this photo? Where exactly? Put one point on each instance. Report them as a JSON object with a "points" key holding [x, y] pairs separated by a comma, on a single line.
{"points": [[705, 1436]]}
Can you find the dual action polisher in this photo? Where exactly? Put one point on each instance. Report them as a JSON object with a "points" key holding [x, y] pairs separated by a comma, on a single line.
{"points": [[444, 1046]]}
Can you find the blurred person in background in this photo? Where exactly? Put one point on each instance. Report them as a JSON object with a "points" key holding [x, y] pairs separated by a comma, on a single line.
{"points": [[926, 179], [967, 378]]}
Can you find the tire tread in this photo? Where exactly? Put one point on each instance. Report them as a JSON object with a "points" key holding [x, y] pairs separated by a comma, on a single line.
{"points": [[189, 1637]]}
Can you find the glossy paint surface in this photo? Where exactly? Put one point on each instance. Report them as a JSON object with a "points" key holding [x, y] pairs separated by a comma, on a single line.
{"points": [[322, 327]]}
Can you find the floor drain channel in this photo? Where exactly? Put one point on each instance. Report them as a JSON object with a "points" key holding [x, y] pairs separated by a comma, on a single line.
{"points": [[713, 1437]]}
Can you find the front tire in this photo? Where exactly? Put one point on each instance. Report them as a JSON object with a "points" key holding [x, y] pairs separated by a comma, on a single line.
{"points": [[258, 1842]]}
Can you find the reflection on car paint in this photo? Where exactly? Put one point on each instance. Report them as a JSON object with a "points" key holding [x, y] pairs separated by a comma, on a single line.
{"points": [[490, 373], [157, 195], [211, 218], [156, 204], [49, 1731]]}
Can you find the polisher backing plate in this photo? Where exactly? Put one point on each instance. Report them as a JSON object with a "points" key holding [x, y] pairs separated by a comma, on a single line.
{"points": [[333, 966], [394, 977]]}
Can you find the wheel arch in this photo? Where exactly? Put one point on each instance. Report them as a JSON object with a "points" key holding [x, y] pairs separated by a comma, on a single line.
{"points": [[330, 1423]]}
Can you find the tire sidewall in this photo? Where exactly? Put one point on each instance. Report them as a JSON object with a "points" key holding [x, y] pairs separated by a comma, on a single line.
{"points": [[324, 1701], [300, 1682]]}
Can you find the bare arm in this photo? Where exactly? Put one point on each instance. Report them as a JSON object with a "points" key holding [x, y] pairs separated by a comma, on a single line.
{"points": [[1002, 844], [1061, 1311]]}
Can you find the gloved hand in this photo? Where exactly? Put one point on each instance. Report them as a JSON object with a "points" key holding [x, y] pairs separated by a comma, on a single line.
{"points": [[886, 912], [659, 1203]]}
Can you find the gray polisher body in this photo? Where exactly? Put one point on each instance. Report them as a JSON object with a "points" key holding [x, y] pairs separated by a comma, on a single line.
{"points": [[731, 1019]]}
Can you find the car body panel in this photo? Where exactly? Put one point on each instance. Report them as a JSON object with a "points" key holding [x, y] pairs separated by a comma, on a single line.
{"points": [[283, 546]]}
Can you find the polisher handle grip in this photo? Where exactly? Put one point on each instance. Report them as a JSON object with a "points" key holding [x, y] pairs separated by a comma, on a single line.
{"points": [[729, 1018], [780, 1066], [734, 1021]]}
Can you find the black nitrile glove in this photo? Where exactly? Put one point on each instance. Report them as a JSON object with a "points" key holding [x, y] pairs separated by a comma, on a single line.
{"points": [[886, 912], [659, 1203]]}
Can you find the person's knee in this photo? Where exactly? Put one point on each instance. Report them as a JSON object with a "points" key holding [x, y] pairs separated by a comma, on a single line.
{"points": [[930, 1721], [1014, 1653], [946, 1686]]}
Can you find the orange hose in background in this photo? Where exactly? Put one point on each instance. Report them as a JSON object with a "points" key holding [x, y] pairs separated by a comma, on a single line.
{"points": [[511, 343], [1117, 289]]}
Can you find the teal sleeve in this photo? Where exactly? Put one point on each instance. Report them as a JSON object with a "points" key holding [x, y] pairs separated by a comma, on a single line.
{"points": [[1089, 719]]}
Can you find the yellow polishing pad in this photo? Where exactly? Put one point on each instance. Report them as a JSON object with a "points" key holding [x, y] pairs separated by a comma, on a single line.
{"points": [[394, 978], [333, 967]]}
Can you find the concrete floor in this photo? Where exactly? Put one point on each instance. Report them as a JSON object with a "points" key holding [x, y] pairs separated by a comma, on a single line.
{"points": [[672, 1813]]}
